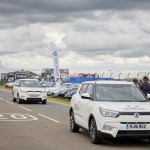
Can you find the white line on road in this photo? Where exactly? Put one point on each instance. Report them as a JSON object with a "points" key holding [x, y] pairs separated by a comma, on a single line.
{"points": [[49, 118], [25, 108], [10, 103], [1, 99]]}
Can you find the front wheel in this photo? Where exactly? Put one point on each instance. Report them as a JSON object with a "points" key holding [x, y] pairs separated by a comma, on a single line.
{"points": [[73, 126], [20, 101], [44, 101], [93, 132], [14, 99], [149, 140]]}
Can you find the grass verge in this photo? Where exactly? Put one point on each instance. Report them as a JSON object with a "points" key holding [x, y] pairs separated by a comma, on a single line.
{"points": [[4, 88], [60, 100]]}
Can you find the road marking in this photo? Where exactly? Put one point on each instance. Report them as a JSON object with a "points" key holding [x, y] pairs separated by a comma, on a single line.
{"points": [[25, 108], [1, 99], [49, 118], [16, 117], [10, 103]]}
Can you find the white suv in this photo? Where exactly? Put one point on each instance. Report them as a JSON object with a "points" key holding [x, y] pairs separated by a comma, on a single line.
{"points": [[29, 90], [110, 109]]}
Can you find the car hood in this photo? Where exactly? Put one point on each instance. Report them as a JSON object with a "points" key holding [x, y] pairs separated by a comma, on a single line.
{"points": [[126, 106]]}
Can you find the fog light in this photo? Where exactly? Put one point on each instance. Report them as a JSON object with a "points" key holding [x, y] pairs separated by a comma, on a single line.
{"points": [[108, 128]]}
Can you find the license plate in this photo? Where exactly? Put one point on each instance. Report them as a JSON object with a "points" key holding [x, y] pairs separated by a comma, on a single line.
{"points": [[33, 96], [135, 126]]}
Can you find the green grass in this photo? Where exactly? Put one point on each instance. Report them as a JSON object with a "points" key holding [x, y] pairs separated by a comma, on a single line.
{"points": [[58, 99], [2, 82]]}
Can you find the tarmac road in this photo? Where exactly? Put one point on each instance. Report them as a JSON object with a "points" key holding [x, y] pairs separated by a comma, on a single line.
{"points": [[46, 127]]}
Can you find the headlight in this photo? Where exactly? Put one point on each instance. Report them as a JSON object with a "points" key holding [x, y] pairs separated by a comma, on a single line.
{"points": [[23, 91], [109, 113]]}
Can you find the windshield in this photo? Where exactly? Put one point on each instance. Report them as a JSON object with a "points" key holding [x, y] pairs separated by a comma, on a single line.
{"points": [[49, 84], [119, 92], [30, 83], [64, 85]]}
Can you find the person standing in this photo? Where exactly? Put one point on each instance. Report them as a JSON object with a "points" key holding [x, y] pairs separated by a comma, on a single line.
{"points": [[135, 81], [145, 86]]}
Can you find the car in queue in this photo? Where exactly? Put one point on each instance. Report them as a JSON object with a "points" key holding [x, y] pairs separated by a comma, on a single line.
{"points": [[29, 90], [110, 109]]}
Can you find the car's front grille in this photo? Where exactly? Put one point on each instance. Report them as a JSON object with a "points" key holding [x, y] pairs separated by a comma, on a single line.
{"points": [[135, 122], [133, 133], [132, 113], [34, 92], [34, 99]]}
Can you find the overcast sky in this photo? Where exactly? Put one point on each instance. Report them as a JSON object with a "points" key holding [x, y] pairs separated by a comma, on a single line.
{"points": [[91, 35]]}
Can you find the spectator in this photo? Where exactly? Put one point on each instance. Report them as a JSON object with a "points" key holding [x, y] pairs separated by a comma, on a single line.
{"points": [[135, 81], [145, 85]]}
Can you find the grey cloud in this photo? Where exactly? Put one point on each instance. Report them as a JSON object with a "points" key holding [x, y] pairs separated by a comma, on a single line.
{"points": [[30, 11], [23, 39], [92, 28]]}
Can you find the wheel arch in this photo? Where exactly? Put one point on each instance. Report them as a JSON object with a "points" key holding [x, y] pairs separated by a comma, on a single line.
{"points": [[70, 110], [90, 118]]}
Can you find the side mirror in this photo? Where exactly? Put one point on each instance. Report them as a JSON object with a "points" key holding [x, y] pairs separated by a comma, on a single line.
{"points": [[43, 85], [148, 97], [16, 85], [86, 96]]}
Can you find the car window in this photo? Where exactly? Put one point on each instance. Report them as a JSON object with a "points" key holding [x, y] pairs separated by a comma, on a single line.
{"points": [[118, 92], [83, 89], [30, 83], [90, 90]]}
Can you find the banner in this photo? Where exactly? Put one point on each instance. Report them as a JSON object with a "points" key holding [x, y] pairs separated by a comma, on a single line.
{"points": [[55, 64]]}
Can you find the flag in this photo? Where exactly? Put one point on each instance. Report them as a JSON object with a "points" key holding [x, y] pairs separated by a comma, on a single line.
{"points": [[55, 59]]}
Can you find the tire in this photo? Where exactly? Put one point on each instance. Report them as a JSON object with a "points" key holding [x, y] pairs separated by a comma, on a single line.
{"points": [[44, 101], [20, 101], [149, 140], [73, 126], [14, 99], [93, 132]]}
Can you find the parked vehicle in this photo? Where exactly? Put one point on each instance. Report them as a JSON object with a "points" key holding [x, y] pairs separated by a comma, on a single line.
{"points": [[72, 91], [110, 109], [64, 90], [48, 86], [29, 90], [64, 86], [9, 84]]}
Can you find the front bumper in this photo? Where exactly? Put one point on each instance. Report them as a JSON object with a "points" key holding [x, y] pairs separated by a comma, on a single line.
{"points": [[121, 130], [33, 97]]}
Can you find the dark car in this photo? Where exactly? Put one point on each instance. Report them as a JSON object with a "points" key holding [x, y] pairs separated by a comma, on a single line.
{"points": [[70, 92]]}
